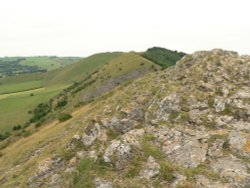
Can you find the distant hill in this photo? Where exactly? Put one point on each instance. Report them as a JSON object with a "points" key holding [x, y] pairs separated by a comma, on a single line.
{"points": [[10, 66], [163, 57]]}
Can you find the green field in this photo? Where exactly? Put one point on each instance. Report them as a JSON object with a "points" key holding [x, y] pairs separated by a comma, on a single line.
{"points": [[19, 87], [14, 107]]}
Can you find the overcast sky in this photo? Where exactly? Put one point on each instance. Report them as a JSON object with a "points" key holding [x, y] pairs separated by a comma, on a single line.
{"points": [[84, 27]]}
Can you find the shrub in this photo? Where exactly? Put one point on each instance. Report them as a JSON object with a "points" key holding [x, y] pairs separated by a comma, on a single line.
{"points": [[16, 128], [40, 112], [61, 103], [64, 117], [4, 136]]}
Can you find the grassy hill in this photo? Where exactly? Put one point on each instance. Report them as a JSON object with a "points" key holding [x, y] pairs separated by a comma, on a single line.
{"points": [[10, 66], [124, 68], [79, 70]]}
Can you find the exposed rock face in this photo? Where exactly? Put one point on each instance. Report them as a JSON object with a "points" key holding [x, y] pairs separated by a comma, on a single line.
{"points": [[240, 143], [235, 171], [151, 168]]}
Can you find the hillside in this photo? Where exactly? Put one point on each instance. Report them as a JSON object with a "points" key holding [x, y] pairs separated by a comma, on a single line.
{"points": [[20, 94], [124, 68], [10, 66], [80, 70], [185, 126]]}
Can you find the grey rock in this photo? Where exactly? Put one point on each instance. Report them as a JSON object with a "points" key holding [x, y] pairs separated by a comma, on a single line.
{"points": [[122, 153], [89, 137], [151, 169], [240, 143], [102, 183], [233, 170], [219, 104], [54, 180], [187, 150], [204, 182], [120, 126], [215, 150]]}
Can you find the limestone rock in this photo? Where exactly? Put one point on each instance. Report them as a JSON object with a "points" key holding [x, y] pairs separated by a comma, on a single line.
{"points": [[118, 153], [102, 183], [89, 137], [240, 143], [233, 170], [151, 169]]}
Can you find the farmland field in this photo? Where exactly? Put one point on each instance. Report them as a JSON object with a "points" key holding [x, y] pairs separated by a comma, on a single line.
{"points": [[16, 106], [19, 87]]}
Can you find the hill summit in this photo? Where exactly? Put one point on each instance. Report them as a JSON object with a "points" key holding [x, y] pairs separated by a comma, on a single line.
{"points": [[185, 126]]}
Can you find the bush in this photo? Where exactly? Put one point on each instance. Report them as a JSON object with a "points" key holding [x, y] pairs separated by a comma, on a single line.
{"points": [[16, 128], [62, 103], [4, 136], [64, 117], [40, 112]]}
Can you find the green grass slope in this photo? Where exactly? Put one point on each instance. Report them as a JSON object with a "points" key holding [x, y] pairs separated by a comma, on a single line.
{"points": [[79, 70], [127, 66]]}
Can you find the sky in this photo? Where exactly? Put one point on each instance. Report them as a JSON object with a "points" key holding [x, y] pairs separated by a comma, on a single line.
{"points": [[85, 27]]}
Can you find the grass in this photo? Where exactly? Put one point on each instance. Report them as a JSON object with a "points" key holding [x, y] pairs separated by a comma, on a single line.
{"points": [[19, 87], [83, 176], [15, 107], [87, 169], [80, 70]]}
